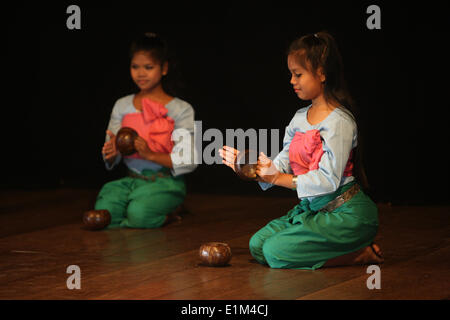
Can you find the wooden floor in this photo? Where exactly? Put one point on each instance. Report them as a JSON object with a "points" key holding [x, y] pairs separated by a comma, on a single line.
{"points": [[41, 234]]}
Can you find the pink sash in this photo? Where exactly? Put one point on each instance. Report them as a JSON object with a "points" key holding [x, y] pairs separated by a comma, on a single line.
{"points": [[153, 125], [306, 150]]}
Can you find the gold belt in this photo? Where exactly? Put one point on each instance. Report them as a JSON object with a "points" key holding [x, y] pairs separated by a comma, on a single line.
{"points": [[341, 199]]}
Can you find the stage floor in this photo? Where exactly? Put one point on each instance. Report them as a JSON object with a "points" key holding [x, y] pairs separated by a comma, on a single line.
{"points": [[41, 234]]}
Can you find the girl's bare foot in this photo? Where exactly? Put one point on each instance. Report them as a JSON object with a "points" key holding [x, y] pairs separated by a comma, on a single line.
{"points": [[174, 215], [369, 255]]}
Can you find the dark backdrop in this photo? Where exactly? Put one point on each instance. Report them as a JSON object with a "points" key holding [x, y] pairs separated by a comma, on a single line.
{"points": [[61, 86]]}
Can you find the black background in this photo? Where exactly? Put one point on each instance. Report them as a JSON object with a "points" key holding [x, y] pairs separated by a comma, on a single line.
{"points": [[61, 85]]}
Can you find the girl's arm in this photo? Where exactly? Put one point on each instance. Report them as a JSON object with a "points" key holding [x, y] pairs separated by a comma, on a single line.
{"points": [[281, 161], [285, 180], [276, 172], [163, 159], [267, 172], [144, 151], [109, 150], [113, 127]]}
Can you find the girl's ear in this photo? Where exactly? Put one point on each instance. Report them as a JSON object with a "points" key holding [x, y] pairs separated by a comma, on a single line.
{"points": [[165, 68], [321, 75]]}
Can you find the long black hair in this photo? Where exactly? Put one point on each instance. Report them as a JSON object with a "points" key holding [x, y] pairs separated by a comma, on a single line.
{"points": [[320, 51], [158, 48]]}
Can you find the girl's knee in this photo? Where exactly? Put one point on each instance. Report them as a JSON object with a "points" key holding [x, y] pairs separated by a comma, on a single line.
{"points": [[255, 246], [269, 250], [144, 221], [265, 250], [274, 254], [255, 243], [141, 216]]}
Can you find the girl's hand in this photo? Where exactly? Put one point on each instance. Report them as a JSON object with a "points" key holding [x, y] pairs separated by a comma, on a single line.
{"points": [[109, 149], [266, 170], [142, 148], [229, 156]]}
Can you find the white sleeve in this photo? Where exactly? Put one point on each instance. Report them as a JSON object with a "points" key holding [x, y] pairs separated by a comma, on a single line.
{"points": [[185, 122], [114, 125]]}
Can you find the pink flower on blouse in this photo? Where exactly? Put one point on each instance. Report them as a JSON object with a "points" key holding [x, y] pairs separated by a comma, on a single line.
{"points": [[153, 125], [306, 150]]}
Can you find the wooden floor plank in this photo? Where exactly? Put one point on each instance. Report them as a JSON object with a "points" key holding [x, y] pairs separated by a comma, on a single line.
{"points": [[425, 277], [163, 263], [112, 250], [27, 211]]}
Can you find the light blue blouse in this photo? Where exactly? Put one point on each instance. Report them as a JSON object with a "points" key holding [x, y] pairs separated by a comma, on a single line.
{"points": [[339, 136], [183, 115]]}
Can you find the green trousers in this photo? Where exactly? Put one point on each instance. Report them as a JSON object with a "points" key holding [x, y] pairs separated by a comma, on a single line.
{"points": [[138, 203], [306, 238]]}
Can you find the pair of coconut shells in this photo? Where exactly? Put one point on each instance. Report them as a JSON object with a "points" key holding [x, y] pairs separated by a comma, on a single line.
{"points": [[245, 162]]}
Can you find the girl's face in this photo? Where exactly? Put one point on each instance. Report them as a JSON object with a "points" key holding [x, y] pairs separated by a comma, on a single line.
{"points": [[307, 85], [146, 72]]}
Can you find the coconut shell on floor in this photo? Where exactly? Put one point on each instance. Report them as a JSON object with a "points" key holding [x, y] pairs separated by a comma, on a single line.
{"points": [[96, 219], [215, 254]]}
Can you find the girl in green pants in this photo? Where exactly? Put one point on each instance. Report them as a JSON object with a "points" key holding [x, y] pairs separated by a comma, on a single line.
{"points": [[335, 222], [155, 187]]}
